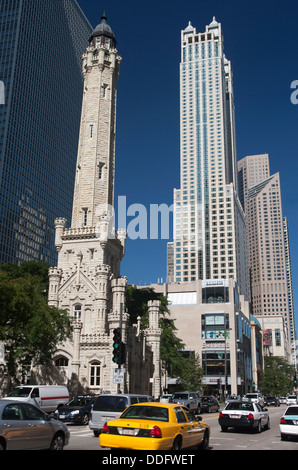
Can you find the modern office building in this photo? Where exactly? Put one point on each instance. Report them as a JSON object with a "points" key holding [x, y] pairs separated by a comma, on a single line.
{"points": [[41, 44], [290, 292], [214, 321], [266, 246], [209, 226]]}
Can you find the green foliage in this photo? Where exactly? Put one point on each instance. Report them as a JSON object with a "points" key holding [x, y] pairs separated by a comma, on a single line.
{"points": [[29, 327], [277, 378], [192, 373]]}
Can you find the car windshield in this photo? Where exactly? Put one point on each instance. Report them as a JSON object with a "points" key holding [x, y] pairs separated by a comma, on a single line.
{"points": [[251, 395], [146, 412], [293, 410], [21, 392], [180, 396], [240, 406], [110, 403], [79, 402]]}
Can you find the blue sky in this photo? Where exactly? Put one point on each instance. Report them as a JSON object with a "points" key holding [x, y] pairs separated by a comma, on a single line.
{"points": [[260, 39]]}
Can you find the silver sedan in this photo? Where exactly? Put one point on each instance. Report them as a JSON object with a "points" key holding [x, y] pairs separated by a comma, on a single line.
{"points": [[24, 426]]}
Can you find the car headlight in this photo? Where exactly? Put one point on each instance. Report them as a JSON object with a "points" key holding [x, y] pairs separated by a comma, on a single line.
{"points": [[75, 412]]}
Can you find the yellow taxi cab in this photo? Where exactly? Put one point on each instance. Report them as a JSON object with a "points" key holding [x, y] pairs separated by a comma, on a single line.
{"points": [[155, 426]]}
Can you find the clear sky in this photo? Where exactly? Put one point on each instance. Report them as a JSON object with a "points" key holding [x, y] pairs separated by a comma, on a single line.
{"points": [[261, 40]]}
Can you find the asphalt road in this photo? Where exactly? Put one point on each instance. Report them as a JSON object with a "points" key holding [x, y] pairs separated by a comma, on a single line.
{"points": [[82, 438], [246, 440]]}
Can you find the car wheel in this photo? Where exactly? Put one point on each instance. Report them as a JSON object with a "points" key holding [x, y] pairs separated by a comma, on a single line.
{"points": [[57, 442], [177, 443], [2, 445], [284, 437], [96, 433], [224, 428], [268, 424], [259, 427], [85, 419], [205, 443]]}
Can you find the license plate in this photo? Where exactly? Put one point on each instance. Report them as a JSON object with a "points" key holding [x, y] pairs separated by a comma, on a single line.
{"points": [[61, 417], [128, 432], [235, 416]]}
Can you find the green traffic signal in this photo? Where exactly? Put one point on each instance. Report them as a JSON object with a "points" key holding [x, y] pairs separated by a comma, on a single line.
{"points": [[116, 345], [119, 348]]}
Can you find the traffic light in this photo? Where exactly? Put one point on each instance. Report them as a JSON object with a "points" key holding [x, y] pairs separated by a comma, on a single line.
{"points": [[122, 353], [295, 380], [116, 346]]}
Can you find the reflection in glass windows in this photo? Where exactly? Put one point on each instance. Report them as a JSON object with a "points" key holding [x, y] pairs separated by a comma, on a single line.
{"points": [[41, 44], [215, 326], [215, 294], [213, 363]]}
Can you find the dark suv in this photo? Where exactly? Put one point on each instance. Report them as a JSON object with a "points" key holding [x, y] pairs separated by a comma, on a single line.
{"points": [[189, 399], [77, 410]]}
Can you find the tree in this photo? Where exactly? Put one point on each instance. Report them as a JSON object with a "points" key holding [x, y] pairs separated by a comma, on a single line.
{"points": [[277, 378], [29, 327], [192, 373], [186, 369]]}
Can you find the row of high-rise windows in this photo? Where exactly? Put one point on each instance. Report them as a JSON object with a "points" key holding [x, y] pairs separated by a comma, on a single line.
{"points": [[39, 146]]}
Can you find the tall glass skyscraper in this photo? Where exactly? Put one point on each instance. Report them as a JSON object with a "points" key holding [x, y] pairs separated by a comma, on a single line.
{"points": [[209, 226], [41, 44]]}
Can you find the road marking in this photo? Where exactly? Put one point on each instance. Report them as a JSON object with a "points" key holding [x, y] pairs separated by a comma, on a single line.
{"points": [[225, 438]]}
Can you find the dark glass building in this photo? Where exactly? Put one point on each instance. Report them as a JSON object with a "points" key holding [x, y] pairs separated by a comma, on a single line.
{"points": [[41, 85]]}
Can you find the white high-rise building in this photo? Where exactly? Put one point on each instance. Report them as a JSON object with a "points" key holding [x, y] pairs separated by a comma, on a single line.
{"points": [[209, 226]]}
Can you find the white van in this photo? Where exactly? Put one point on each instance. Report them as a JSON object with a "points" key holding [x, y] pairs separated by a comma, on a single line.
{"points": [[111, 406], [47, 397]]}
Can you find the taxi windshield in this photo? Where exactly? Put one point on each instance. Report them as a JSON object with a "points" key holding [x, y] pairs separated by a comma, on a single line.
{"points": [[146, 412]]}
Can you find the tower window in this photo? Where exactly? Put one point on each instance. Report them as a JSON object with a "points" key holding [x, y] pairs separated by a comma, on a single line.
{"points": [[104, 90], [100, 168], [77, 313], [95, 374], [91, 131], [85, 217]]}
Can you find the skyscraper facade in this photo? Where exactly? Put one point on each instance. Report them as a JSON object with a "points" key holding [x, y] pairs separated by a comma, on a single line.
{"points": [[290, 292], [41, 45], [209, 226], [261, 194]]}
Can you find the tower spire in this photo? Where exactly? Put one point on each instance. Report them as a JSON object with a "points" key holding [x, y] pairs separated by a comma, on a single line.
{"points": [[94, 184]]}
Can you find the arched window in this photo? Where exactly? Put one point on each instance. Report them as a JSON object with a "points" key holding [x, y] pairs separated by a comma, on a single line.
{"points": [[77, 312], [61, 362], [95, 374]]}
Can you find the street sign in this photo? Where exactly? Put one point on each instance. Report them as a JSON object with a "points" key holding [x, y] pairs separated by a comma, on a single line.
{"points": [[118, 377]]}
